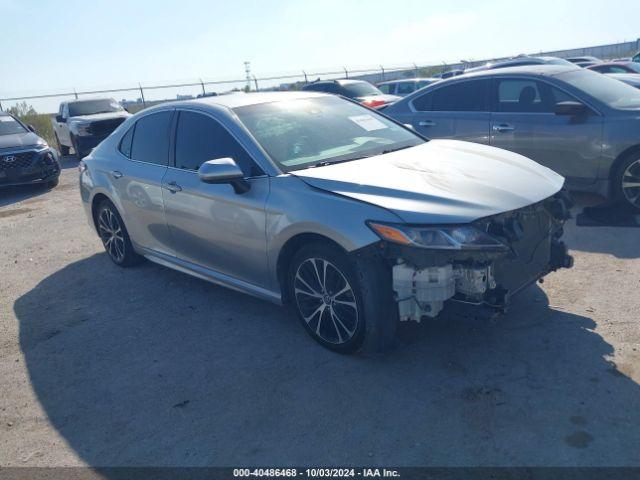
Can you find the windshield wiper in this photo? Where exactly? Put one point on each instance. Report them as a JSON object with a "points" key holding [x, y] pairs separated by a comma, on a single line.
{"points": [[395, 149]]}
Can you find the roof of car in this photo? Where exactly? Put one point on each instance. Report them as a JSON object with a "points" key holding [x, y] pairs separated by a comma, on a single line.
{"points": [[543, 69], [235, 100], [415, 79]]}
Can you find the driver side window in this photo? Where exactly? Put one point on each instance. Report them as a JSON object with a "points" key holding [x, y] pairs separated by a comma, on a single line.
{"points": [[200, 138]]}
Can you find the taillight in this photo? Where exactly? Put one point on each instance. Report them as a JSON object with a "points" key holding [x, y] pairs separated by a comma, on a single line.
{"points": [[374, 103]]}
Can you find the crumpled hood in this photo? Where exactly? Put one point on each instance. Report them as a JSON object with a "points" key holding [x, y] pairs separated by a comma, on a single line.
{"points": [[18, 140], [441, 181], [99, 116]]}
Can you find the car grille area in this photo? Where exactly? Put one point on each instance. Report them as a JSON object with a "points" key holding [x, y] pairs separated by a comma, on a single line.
{"points": [[103, 128], [20, 160], [26, 167]]}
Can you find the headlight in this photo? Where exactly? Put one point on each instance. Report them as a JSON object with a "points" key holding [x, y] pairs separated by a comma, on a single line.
{"points": [[455, 237]]}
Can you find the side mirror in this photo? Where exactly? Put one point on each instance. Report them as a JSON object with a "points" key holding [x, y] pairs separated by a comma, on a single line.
{"points": [[60, 119], [31, 128], [571, 109], [224, 170]]}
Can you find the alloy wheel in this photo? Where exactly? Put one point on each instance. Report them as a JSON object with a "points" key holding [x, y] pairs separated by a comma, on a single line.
{"points": [[326, 300], [631, 183], [111, 234]]}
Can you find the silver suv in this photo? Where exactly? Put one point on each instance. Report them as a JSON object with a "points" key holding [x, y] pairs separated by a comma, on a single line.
{"points": [[316, 201], [583, 125]]}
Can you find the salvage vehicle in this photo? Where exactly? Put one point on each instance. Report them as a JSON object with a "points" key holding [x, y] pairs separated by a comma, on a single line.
{"points": [[582, 124], [358, 90], [25, 158], [83, 124], [315, 201]]}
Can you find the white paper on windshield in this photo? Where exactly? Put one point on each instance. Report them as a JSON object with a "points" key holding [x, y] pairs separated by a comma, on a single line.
{"points": [[6, 119], [368, 122]]}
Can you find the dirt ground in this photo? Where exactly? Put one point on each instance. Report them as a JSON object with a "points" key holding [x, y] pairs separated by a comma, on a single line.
{"points": [[104, 366]]}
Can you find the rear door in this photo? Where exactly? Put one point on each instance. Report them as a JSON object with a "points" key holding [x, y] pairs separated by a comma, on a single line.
{"points": [[458, 110], [211, 225], [523, 121], [137, 178]]}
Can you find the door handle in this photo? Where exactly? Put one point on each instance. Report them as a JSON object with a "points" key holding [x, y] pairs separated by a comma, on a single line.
{"points": [[116, 173], [173, 187], [426, 123], [503, 127]]}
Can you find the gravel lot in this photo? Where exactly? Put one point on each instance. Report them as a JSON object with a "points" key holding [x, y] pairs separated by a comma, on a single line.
{"points": [[104, 366]]}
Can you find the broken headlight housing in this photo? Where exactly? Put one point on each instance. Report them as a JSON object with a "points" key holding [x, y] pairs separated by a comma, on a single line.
{"points": [[447, 237]]}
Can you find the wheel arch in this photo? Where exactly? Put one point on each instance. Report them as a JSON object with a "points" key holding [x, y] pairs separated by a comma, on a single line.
{"points": [[628, 152], [97, 199], [289, 249]]}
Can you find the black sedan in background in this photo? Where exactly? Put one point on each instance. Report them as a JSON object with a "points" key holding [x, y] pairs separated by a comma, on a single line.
{"points": [[358, 90], [25, 158]]}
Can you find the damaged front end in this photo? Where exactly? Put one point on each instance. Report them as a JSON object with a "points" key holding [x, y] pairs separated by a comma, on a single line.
{"points": [[483, 263]]}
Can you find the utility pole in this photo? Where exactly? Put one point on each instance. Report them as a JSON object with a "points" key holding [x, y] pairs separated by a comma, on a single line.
{"points": [[247, 71]]}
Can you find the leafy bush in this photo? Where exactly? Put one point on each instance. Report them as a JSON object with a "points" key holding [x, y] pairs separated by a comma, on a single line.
{"points": [[41, 122]]}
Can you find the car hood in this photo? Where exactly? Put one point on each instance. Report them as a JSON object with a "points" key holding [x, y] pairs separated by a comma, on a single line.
{"points": [[99, 116], [441, 181], [18, 140]]}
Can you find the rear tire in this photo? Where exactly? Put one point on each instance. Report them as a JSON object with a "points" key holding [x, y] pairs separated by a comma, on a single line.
{"points": [[114, 236], [624, 180], [345, 305]]}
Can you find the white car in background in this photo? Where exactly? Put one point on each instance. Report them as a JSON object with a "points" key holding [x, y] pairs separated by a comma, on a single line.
{"points": [[404, 87]]}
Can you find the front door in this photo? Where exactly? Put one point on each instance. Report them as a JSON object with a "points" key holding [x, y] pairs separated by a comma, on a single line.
{"points": [[523, 121], [211, 225]]}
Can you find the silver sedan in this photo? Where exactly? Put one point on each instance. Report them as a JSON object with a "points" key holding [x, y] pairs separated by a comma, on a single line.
{"points": [[316, 201]]}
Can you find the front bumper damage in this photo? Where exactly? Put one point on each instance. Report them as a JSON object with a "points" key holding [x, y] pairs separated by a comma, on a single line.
{"points": [[425, 280]]}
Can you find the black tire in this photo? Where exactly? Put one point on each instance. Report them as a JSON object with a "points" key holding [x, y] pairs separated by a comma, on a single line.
{"points": [[64, 150], [119, 248], [79, 154], [361, 317], [628, 171]]}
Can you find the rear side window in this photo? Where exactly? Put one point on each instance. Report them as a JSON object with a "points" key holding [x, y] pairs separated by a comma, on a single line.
{"points": [[200, 138], [528, 96], [406, 87], [469, 96], [125, 143], [151, 139]]}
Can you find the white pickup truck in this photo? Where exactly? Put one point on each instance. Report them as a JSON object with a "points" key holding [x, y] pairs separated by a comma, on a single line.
{"points": [[83, 124]]}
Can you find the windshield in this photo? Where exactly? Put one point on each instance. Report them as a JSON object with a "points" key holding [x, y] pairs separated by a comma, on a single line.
{"points": [[9, 126], [608, 90], [90, 107], [298, 134], [360, 89], [634, 66]]}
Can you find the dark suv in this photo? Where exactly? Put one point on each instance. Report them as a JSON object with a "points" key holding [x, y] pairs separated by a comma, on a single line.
{"points": [[25, 158]]}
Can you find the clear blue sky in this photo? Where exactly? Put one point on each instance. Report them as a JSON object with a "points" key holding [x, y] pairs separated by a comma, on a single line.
{"points": [[61, 44]]}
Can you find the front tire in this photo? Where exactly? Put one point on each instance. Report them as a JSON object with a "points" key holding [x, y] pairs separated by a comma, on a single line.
{"points": [[626, 186], [114, 236], [64, 150], [343, 304]]}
